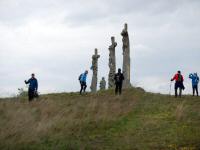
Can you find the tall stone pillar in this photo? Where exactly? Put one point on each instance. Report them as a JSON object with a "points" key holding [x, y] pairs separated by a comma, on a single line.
{"points": [[94, 68], [112, 63], [126, 56]]}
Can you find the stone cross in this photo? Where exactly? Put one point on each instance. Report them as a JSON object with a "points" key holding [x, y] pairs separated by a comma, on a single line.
{"points": [[126, 56], [102, 84], [112, 63], [94, 68]]}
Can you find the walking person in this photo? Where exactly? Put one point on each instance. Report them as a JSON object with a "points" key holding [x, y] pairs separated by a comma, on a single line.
{"points": [[33, 87], [178, 83], [82, 79], [195, 81], [119, 77]]}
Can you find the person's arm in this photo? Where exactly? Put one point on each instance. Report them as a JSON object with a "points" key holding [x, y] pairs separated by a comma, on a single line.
{"points": [[27, 82], [122, 76], [85, 77], [173, 78], [190, 76], [182, 78], [115, 77], [36, 86]]}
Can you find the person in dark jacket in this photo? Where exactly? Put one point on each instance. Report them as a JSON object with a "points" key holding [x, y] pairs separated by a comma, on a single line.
{"points": [[33, 87], [195, 82], [179, 83], [82, 79], [119, 77]]}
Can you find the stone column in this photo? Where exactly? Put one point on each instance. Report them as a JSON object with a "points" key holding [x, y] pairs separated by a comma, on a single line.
{"points": [[112, 63], [126, 56], [94, 68]]}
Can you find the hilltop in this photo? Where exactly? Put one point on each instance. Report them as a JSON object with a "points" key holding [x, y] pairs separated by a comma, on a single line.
{"points": [[135, 120]]}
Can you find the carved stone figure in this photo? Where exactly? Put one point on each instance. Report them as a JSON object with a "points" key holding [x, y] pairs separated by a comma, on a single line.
{"points": [[112, 63], [94, 68], [126, 56], [102, 84]]}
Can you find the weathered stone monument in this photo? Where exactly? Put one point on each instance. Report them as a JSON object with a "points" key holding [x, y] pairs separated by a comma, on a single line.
{"points": [[102, 84], [112, 63], [94, 68], [126, 56]]}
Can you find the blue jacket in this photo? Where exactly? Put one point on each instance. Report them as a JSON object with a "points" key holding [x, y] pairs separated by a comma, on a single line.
{"points": [[195, 79], [33, 84], [83, 77]]}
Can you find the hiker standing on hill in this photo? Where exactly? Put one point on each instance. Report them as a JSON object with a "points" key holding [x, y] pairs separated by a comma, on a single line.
{"points": [[178, 83], [119, 77], [82, 79], [33, 87], [195, 81]]}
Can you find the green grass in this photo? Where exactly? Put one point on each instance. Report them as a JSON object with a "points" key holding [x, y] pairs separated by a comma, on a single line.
{"points": [[66, 121]]}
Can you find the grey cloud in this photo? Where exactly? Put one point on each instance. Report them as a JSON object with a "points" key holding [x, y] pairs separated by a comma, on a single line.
{"points": [[55, 39]]}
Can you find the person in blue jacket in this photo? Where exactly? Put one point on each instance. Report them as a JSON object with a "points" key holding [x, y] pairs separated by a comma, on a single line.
{"points": [[82, 79], [33, 87], [195, 81]]}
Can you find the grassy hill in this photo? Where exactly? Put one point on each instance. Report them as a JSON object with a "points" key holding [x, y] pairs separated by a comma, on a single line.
{"points": [[67, 121]]}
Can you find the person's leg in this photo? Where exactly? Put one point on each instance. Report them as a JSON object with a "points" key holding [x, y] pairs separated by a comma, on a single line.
{"points": [[175, 92], [120, 88], [85, 86], [193, 90], [30, 95], [180, 91], [175, 89], [197, 91], [116, 89], [81, 88]]}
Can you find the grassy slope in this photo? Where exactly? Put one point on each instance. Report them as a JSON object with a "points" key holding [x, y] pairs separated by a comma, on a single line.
{"points": [[136, 120]]}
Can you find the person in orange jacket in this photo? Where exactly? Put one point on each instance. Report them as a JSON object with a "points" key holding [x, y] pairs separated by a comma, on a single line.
{"points": [[178, 83]]}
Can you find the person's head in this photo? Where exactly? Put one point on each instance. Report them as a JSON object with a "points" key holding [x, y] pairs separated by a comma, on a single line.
{"points": [[113, 39], [103, 78], [126, 26], [33, 75], [179, 72], [195, 74], [119, 70], [86, 72], [96, 51]]}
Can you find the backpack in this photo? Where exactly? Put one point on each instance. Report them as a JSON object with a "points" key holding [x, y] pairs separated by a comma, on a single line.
{"points": [[179, 78], [197, 79], [79, 78], [118, 78]]}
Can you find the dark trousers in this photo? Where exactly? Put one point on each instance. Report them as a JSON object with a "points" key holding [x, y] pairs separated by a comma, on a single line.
{"points": [[195, 88], [31, 94], [83, 87], [178, 85], [180, 92], [118, 88]]}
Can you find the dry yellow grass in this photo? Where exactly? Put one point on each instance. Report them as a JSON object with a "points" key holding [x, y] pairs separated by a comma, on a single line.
{"points": [[135, 120]]}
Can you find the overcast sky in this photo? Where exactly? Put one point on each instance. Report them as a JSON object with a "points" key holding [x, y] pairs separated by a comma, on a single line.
{"points": [[55, 39]]}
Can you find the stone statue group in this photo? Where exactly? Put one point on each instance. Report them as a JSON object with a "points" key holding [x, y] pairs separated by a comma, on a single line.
{"points": [[115, 80], [112, 66]]}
